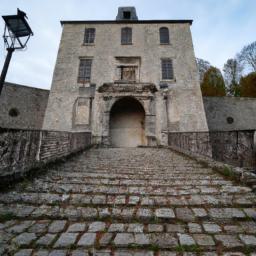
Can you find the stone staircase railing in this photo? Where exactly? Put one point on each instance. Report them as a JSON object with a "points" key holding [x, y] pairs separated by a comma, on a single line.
{"points": [[22, 150]]}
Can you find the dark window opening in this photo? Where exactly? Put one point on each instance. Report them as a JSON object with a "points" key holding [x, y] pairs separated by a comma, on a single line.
{"points": [[89, 35], [164, 36], [230, 120], [127, 15], [14, 112], [84, 74], [126, 36], [167, 69]]}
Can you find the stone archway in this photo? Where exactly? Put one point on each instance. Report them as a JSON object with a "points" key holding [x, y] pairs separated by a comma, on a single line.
{"points": [[127, 123]]}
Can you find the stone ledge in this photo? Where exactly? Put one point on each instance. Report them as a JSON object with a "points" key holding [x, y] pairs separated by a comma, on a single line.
{"points": [[243, 175]]}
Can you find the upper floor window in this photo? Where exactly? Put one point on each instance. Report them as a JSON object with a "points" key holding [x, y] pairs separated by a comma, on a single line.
{"points": [[84, 74], [89, 35], [127, 15], [126, 35], [164, 35], [167, 69]]}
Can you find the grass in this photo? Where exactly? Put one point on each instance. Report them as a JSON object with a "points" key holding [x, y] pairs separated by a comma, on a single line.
{"points": [[187, 248], [226, 171], [7, 216]]}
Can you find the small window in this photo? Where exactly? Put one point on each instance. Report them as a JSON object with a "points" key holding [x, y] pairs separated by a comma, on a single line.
{"points": [[167, 69], [230, 120], [89, 35], [84, 74], [126, 36], [127, 15], [164, 35], [14, 112]]}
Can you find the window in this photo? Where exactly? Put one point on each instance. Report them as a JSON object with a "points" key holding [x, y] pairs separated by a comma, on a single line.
{"points": [[14, 112], [126, 36], [127, 15], [167, 69], [164, 35], [84, 74], [127, 73], [89, 35]]}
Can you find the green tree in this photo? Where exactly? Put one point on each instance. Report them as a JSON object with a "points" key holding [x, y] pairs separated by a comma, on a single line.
{"points": [[232, 73], [203, 66], [248, 85], [213, 83]]}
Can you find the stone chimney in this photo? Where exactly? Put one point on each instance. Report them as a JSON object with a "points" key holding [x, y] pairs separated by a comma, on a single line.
{"points": [[126, 13]]}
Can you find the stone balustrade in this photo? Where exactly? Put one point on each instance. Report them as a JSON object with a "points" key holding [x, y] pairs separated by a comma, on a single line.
{"points": [[22, 150]]}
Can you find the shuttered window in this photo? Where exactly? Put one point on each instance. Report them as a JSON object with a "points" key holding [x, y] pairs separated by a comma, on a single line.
{"points": [[164, 35], [84, 74], [89, 35], [167, 69], [126, 35]]}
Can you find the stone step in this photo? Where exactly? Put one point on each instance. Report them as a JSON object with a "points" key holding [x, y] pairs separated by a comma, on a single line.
{"points": [[131, 200], [123, 202], [143, 214], [60, 234]]}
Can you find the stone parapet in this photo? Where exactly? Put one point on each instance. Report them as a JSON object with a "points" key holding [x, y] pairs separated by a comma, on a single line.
{"points": [[22, 150], [230, 153]]}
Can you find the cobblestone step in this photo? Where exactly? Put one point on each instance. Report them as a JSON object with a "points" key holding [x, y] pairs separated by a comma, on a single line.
{"points": [[125, 202]]}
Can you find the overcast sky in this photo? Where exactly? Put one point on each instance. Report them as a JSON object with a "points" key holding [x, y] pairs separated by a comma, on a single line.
{"points": [[220, 29]]}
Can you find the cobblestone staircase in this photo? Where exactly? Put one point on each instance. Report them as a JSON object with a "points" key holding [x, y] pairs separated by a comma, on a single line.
{"points": [[123, 202]]}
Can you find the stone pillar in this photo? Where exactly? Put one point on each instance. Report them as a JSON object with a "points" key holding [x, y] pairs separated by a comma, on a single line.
{"points": [[150, 121]]}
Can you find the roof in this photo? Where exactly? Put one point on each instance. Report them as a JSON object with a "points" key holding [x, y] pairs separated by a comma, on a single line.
{"points": [[124, 21]]}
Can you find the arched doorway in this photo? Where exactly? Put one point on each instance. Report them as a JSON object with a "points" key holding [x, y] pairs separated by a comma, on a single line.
{"points": [[127, 121]]}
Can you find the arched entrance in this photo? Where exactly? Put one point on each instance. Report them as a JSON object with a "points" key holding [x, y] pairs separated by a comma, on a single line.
{"points": [[127, 121]]}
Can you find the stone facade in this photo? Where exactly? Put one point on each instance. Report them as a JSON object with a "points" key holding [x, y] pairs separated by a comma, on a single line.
{"points": [[22, 107], [169, 105], [230, 113]]}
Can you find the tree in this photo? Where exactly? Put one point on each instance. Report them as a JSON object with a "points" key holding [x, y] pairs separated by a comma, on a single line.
{"points": [[248, 85], [203, 66], [213, 83], [232, 74], [248, 56]]}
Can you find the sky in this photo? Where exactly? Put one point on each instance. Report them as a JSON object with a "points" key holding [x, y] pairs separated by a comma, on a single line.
{"points": [[220, 29]]}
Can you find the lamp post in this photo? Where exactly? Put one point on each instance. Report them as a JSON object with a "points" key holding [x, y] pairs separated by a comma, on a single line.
{"points": [[16, 35]]}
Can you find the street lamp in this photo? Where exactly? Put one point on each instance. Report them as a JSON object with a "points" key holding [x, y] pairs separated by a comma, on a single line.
{"points": [[16, 35]]}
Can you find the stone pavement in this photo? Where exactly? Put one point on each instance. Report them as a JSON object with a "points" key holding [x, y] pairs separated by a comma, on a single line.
{"points": [[128, 202]]}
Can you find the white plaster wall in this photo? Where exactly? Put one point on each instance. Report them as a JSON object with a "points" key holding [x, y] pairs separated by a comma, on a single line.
{"points": [[126, 129]]}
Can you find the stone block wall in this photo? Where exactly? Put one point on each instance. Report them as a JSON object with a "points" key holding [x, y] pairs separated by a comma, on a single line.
{"points": [[232, 147], [230, 113], [194, 142], [22, 150], [22, 107]]}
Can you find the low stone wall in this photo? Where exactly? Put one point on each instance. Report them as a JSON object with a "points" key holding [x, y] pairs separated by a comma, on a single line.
{"points": [[22, 150], [232, 147]]}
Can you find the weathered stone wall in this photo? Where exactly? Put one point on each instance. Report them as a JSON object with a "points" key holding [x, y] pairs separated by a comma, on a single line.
{"points": [[195, 142], [29, 104], [21, 150], [236, 148], [174, 106], [219, 110]]}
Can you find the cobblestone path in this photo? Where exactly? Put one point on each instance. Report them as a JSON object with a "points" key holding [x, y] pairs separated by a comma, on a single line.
{"points": [[128, 202]]}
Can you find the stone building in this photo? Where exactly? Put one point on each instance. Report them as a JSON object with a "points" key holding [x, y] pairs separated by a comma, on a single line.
{"points": [[22, 107], [127, 81]]}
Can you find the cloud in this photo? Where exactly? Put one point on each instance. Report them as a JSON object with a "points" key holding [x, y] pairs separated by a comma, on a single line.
{"points": [[220, 29]]}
